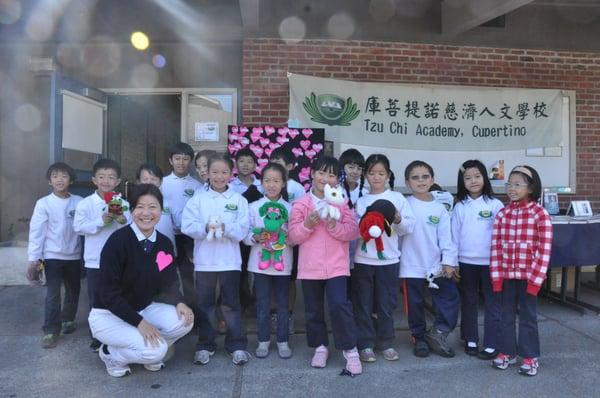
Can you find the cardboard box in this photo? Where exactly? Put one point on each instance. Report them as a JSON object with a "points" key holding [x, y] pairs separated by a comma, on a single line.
{"points": [[556, 281]]}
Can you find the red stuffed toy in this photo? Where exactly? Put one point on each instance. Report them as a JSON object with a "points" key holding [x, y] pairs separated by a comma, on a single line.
{"points": [[377, 219]]}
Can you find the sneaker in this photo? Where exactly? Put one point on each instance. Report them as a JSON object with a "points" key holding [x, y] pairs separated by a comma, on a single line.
{"points": [[421, 349], [95, 345], [502, 361], [68, 327], [390, 354], [472, 350], [291, 325], [487, 354], [529, 367], [154, 367], [353, 364], [273, 322], [202, 357], [437, 341], [262, 351], [284, 350], [319, 359], [49, 340], [367, 355], [240, 357], [113, 367]]}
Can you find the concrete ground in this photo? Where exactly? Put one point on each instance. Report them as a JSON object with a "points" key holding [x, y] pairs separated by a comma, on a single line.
{"points": [[569, 366]]}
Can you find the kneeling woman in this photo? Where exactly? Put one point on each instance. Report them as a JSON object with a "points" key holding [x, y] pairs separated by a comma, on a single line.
{"points": [[138, 311]]}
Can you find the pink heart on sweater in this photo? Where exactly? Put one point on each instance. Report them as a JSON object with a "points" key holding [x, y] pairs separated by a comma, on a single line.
{"points": [[163, 260]]}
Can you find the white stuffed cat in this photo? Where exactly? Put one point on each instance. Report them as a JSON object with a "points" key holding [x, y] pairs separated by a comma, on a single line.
{"points": [[215, 228], [335, 198]]}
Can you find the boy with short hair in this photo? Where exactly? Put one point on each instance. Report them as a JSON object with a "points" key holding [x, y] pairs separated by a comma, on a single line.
{"points": [[177, 188], [285, 157], [96, 220], [53, 241], [245, 163]]}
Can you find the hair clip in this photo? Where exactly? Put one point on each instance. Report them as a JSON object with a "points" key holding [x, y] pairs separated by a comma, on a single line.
{"points": [[524, 170]]}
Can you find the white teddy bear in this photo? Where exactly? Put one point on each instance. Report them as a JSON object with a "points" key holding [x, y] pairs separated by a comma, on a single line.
{"points": [[335, 197], [215, 228]]}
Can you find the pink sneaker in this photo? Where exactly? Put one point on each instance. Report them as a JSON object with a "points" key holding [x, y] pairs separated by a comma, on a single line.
{"points": [[353, 364], [278, 265], [319, 359], [263, 265]]}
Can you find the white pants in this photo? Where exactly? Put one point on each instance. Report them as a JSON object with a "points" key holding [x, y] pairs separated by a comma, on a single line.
{"points": [[124, 341]]}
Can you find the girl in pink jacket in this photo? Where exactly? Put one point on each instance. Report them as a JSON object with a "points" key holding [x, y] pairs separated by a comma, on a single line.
{"points": [[323, 266]]}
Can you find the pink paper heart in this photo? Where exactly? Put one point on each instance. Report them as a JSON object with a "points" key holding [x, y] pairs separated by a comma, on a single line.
{"points": [[282, 140], [269, 130], [297, 152], [304, 174], [234, 129], [305, 144], [257, 130], [293, 133], [264, 142], [245, 141], [244, 130], [163, 260], [232, 149], [263, 162], [237, 146], [255, 137], [310, 153], [307, 132], [274, 145], [283, 131], [268, 151], [257, 150], [317, 147], [233, 137]]}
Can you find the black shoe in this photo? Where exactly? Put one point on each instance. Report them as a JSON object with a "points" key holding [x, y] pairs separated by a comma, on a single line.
{"points": [[421, 348], [437, 341], [472, 351], [483, 354], [95, 345]]}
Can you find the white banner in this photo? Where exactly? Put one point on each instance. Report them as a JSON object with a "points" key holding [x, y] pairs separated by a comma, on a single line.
{"points": [[430, 117]]}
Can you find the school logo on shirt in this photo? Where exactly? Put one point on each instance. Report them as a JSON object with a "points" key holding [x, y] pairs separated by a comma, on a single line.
{"points": [[166, 210], [231, 207], [188, 192], [433, 220], [485, 214]]}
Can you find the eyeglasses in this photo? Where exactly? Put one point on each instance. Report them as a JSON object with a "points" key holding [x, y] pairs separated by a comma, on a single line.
{"points": [[516, 186], [421, 177]]}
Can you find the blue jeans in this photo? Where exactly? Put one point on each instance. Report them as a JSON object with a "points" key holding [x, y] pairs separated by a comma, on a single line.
{"points": [[368, 281], [514, 296], [340, 312], [445, 303], [60, 272], [280, 286], [206, 285], [474, 278]]}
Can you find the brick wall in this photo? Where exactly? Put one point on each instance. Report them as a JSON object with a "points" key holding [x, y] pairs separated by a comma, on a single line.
{"points": [[266, 61]]}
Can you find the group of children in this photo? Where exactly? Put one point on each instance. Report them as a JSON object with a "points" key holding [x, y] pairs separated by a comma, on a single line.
{"points": [[478, 246]]}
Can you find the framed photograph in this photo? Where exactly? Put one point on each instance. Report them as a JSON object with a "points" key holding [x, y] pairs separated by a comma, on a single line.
{"points": [[551, 202], [580, 208], [328, 148]]}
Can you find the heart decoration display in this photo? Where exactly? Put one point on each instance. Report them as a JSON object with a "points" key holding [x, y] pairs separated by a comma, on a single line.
{"points": [[305, 144]]}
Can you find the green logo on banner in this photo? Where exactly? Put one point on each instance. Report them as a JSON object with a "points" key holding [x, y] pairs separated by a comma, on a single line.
{"points": [[330, 109]]}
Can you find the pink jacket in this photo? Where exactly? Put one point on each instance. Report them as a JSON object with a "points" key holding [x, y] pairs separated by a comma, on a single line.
{"points": [[323, 252]]}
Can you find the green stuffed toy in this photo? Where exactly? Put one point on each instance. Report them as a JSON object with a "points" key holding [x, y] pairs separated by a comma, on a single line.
{"points": [[274, 216]]}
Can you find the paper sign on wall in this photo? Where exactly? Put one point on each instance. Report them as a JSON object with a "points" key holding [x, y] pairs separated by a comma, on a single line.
{"points": [[206, 131]]}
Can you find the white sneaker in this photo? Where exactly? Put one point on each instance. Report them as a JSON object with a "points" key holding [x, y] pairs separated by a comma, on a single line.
{"points": [[262, 351], [113, 367], [240, 357], [154, 367], [202, 357], [284, 350]]}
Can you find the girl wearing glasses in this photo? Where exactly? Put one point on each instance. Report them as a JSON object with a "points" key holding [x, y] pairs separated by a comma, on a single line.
{"points": [[521, 245]]}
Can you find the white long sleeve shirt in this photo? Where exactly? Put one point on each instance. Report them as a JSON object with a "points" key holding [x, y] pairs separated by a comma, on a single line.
{"points": [[430, 244], [51, 234], [88, 222], [218, 254], [295, 190], [166, 224], [256, 221], [472, 224], [177, 191], [391, 250], [238, 186]]}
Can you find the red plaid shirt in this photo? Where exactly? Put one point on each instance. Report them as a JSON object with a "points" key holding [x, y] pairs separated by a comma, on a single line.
{"points": [[521, 245]]}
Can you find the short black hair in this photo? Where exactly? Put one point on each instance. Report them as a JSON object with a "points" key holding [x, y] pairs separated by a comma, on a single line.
{"points": [[61, 166], [461, 190], [246, 152], [204, 153], [181, 148], [144, 189], [417, 163], [150, 168], [352, 156], [328, 164], [535, 182], [220, 157], [107, 164], [284, 153]]}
